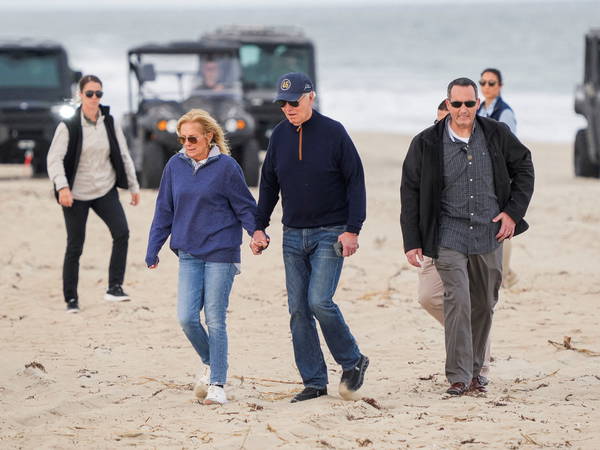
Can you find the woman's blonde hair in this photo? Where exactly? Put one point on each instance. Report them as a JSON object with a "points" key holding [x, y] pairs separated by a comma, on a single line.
{"points": [[208, 124]]}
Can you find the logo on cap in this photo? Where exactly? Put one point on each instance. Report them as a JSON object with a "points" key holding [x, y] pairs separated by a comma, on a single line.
{"points": [[286, 84]]}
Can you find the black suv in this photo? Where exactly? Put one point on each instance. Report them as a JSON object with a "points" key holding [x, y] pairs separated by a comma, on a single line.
{"points": [[587, 103], [265, 53], [170, 79], [36, 85], [231, 73]]}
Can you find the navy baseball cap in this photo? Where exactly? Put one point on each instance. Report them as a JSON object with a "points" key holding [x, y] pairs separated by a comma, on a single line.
{"points": [[293, 85]]}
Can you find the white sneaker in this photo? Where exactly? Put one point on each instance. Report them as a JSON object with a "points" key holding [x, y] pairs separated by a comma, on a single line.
{"points": [[202, 381], [216, 396]]}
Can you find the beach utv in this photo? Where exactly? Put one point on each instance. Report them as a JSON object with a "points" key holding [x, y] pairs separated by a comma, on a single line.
{"points": [[231, 73], [587, 103], [36, 84]]}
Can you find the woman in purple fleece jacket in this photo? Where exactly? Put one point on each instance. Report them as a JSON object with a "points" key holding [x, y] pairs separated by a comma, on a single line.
{"points": [[203, 203]]}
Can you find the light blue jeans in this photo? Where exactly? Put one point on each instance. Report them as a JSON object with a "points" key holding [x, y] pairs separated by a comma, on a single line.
{"points": [[205, 285], [312, 272]]}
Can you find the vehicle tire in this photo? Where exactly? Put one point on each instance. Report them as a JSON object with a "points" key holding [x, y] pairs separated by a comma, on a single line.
{"points": [[247, 157], [584, 167], [153, 163]]}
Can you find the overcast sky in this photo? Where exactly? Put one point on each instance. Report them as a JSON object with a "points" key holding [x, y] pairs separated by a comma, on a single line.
{"points": [[146, 4]]}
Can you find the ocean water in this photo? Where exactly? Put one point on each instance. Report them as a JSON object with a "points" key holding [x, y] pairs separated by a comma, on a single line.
{"points": [[380, 67]]}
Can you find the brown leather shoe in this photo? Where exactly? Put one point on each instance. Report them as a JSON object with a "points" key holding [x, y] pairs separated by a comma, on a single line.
{"points": [[478, 384], [457, 389]]}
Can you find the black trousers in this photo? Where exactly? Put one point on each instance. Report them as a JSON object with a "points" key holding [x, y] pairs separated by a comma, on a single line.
{"points": [[109, 209]]}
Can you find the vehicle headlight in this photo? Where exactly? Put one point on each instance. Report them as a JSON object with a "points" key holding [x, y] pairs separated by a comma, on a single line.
{"points": [[167, 125], [232, 125], [64, 111]]}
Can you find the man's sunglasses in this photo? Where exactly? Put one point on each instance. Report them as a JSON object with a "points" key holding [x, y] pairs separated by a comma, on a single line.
{"points": [[90, 94], [293, 104], [191, 139], [489, 83], [468, 104]]}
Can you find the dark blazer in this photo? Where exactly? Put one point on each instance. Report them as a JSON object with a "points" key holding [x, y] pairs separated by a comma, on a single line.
{"points": [[422, 182]]}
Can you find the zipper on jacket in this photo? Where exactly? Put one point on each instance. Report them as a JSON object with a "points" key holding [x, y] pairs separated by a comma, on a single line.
{"points": [[299, 131]]}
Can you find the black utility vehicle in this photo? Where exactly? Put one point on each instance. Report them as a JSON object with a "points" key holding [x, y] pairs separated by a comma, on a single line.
{"points": [[587, 103], [266, 53], [36, 85], [168, 80]]}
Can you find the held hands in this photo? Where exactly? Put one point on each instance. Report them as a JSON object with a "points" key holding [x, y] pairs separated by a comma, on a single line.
{"points": [[349, 243], [260, 241], [65, 197], [507, 227], [415, 257]]}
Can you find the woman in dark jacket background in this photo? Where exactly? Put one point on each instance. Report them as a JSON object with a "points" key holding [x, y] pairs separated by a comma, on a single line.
{"points": [[88, 159]]}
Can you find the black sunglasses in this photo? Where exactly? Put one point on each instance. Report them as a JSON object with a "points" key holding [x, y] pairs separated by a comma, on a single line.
{"points": [[468, 104], [490, 83], [293, 104], [190, 139], [90, 94]]}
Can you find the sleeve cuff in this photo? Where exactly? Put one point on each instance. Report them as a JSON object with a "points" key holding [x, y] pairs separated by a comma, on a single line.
{"points": [[60, 182], [352, 229]]}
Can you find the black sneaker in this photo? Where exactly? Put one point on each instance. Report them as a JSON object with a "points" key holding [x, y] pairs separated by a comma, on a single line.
{"points": [[115, 294], [309, 393], [72, 306], [353, 379]]}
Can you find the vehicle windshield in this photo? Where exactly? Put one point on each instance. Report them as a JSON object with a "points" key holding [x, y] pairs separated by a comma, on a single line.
{"points": [[179, 77], [26, 69], [262, 64]]}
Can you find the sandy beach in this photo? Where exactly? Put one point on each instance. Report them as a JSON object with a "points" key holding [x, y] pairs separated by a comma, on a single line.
{"points": [[120, 375]]}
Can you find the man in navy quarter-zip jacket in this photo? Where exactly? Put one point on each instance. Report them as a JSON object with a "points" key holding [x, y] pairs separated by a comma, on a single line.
{"points": [[312, 161]]}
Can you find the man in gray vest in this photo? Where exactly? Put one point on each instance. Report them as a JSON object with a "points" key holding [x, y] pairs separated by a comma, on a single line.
{"points": [[466, 184]]}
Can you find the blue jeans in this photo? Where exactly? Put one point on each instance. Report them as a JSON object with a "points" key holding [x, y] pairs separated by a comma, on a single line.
{"points": [[312, 272], [205, 285]]}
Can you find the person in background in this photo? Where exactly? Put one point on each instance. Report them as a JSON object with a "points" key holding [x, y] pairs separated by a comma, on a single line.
{"points": [[430, 287], [203, 203], [211, 74], [313, 163], [441, 113], [87, 160], [466, 185], [495, 108]]}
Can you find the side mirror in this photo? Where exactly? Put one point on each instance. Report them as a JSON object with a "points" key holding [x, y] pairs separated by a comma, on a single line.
{"points": [[147, 73]]}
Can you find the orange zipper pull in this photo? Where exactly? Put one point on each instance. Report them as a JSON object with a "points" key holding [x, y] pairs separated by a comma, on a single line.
{"points": [[299, 130]]}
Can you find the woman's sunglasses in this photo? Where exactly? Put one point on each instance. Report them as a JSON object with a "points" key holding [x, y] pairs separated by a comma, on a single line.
{"points": [[468, 104], [191, 139], [90, 94], [489, 83]]}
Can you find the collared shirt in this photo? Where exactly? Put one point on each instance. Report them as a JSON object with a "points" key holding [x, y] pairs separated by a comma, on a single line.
{"points": [[507, 116], [468, 202], [214, 151], [95, 174]]}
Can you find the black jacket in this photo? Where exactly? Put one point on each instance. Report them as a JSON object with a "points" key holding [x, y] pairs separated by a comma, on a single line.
{"points": [[71, 160], [422, 182]]}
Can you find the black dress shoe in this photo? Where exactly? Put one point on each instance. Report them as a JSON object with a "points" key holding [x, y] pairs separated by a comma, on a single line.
{"points": [[309, 393], [457, 389]]}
